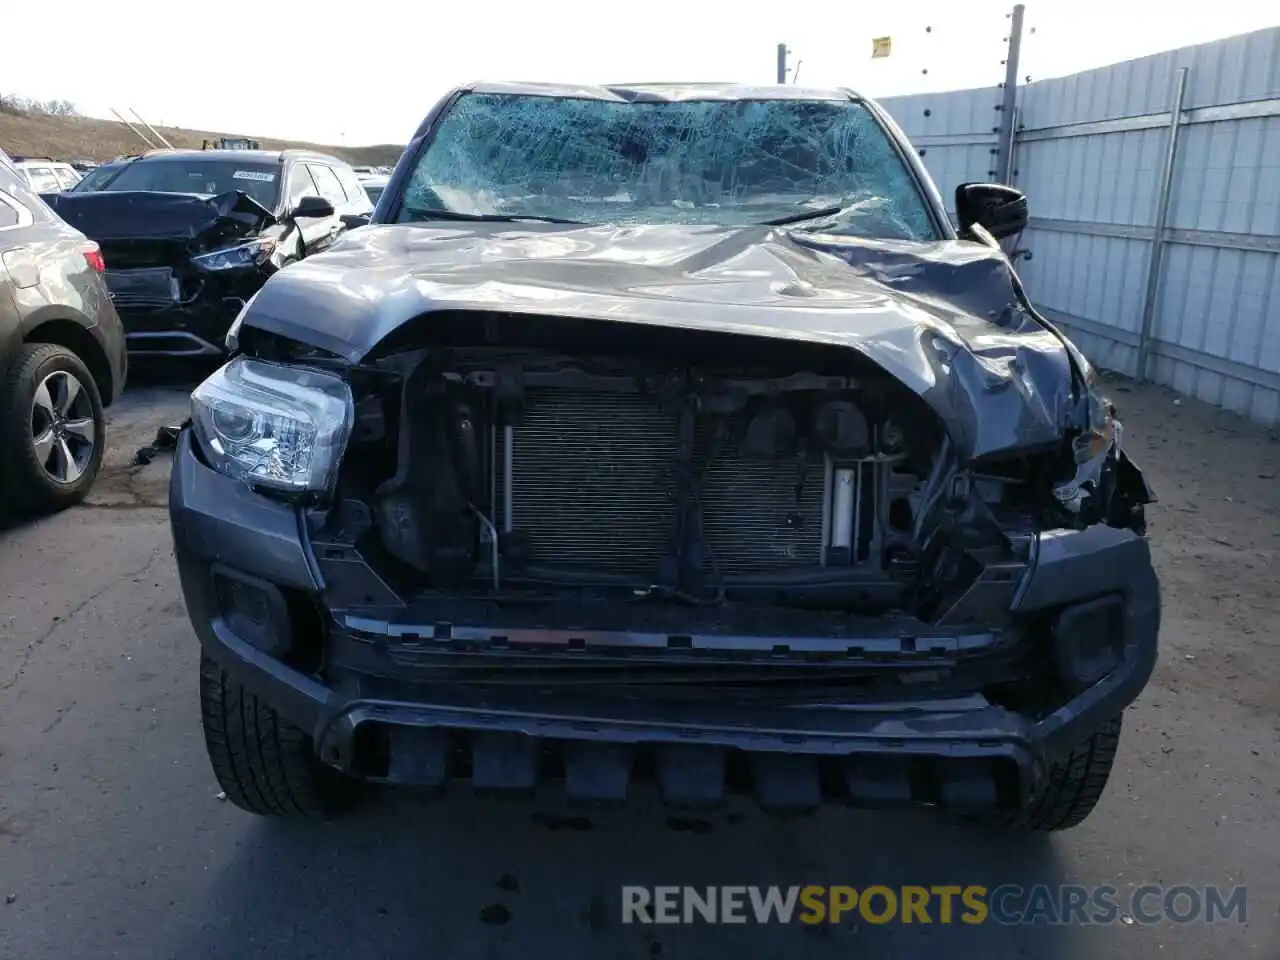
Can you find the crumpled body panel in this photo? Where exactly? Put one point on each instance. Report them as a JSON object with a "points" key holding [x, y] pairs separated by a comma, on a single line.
{"points": [[144, 214], [944, 318]]}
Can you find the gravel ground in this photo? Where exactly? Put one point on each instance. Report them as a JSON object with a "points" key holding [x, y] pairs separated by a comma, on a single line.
{"points": [[114, 843]]}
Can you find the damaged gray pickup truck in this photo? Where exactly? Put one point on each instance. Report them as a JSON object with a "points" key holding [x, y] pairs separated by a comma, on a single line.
{"points": [[669, 434]]}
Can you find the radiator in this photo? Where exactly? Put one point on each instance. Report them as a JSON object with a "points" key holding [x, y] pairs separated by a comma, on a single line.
{"points": [[590, 487]]}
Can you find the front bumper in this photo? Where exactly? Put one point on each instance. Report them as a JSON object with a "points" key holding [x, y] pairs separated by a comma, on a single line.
{"points": [[196, 329], [959, 751]]}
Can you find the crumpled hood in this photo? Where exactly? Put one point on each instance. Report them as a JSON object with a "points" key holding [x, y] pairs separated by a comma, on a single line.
{"points": [[142, 214], [942, 317]]}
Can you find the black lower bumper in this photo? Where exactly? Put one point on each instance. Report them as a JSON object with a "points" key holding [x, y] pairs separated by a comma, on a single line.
{"points": [[196, 329], [958, 751]]}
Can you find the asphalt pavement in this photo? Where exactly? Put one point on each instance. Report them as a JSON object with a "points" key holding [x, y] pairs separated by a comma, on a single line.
{"points": [[114, 841]]}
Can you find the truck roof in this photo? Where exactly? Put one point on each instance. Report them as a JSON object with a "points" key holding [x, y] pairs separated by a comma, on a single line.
{"points": [[630, 92]]}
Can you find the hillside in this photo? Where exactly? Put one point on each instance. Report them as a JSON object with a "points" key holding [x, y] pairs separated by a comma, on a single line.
{"points": [[34, 134]]}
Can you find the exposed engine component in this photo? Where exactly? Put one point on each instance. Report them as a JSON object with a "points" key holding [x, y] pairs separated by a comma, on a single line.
{"points": [[585, 481], [770, 433], [593, 486], [554, 472], [843, 429]]}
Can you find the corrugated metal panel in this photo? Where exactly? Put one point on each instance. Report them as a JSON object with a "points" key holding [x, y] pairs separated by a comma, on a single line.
{"points": [[1093, 192], [954, 132]]}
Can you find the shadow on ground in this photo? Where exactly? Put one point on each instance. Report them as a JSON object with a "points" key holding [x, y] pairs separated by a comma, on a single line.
{"points": [[461, 878]]}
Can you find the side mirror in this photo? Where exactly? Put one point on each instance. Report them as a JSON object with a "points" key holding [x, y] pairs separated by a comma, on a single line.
{"points": [[309, 207], [998, 208]]}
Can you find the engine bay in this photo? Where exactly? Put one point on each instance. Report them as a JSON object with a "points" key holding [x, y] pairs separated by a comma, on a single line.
{"points": [[538, 468], [552, 466], [561, 474]]}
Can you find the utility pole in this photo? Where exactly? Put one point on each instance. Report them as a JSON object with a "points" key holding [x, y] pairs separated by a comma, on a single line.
{"points": [[1009, 104], [782, 63], [136, 132], [154, 131]]}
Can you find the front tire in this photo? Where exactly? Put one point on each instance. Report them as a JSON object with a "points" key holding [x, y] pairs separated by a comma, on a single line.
{"points": [[264, 764], [1074, 784], [52, 430]]}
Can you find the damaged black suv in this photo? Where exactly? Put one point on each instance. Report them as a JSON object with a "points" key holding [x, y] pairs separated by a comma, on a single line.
{"points": [[189, 235], [664, 433]]}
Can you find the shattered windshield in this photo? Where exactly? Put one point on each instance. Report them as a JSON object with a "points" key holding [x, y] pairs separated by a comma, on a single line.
{"points": [[212, 177], [731, 162]]}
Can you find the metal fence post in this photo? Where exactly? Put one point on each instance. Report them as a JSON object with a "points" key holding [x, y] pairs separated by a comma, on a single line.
{"points": [[782, 63], [1011, 174], [1156, 261], [1007, 131]]}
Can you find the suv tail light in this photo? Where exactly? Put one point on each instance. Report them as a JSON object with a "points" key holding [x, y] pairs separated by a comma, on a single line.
{"points": [[93, 257]]}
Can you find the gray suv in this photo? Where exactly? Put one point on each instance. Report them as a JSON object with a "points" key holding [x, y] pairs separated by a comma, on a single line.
{"points": [[62, 353]]}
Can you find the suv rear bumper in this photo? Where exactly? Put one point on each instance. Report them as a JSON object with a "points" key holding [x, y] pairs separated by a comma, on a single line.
{"points": [[960, 751]]}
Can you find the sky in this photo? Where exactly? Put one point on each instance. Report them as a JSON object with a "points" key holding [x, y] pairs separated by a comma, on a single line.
{"points": [[367, 73]]}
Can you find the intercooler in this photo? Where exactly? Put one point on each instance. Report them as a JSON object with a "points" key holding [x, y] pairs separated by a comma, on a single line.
{"points": [[593, 486]]}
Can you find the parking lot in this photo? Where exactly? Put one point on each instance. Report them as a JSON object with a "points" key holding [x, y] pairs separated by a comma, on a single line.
{"points": [[114, 841]]}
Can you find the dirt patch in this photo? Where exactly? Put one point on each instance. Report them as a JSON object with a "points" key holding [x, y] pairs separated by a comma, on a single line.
{"points": [[1215, 538], [132, 423]]}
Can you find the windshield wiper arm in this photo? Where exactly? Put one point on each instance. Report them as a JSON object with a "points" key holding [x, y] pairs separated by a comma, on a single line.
{"points": [[422, 213], [819, 214]]}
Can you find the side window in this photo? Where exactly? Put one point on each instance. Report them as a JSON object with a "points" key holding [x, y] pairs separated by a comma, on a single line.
{"points": [[11, 179], [13, 192], [42, 180], [67, 177], [301, 185], [8, 211], [328, 183], [355, 192]]}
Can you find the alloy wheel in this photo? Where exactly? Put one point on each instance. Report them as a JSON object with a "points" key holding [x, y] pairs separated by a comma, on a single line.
{"points": [[63, 433]]}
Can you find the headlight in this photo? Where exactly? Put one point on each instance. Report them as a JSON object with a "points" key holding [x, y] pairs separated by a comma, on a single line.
{"points": [[251, 254], [273, 426]]}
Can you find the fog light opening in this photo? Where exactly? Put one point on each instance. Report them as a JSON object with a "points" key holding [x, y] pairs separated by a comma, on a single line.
{"points": [[1088, 641], [254, 610]]}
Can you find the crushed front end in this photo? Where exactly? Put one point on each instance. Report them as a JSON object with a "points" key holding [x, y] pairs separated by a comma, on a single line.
{"points": [[515, 550], [180, 267]]}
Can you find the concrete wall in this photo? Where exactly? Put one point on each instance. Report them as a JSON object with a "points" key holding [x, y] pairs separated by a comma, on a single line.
{"points": [[1090, 152]]}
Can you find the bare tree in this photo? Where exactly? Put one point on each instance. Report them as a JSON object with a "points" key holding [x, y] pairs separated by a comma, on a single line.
{"points": [[26, 107]]}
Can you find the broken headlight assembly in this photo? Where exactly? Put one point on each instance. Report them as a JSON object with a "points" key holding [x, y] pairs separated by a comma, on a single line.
{"points": [[1093, 448], [254, 253], [272, 426]]}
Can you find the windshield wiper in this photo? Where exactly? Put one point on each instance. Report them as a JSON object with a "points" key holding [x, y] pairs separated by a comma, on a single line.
{"points": [[820, 214], [423, 213]]}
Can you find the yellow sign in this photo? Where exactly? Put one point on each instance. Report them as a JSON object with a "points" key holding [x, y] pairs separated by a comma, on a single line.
{"points": [[880, 47]]}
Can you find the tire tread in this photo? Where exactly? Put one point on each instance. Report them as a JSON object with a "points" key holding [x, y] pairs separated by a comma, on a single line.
{"points": [[264, 764], [1075, 784]]}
